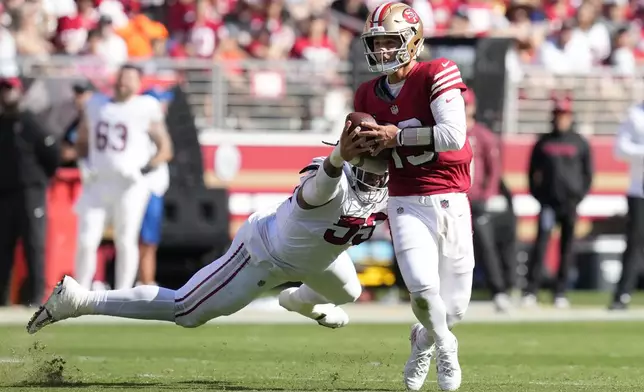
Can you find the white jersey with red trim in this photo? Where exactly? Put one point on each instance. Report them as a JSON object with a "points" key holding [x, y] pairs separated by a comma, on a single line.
{"points": [[119, 140], [309, 240]]}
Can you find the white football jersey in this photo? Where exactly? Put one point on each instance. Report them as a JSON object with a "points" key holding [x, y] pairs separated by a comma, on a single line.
{"points": [[306, 240], [119, 141]]}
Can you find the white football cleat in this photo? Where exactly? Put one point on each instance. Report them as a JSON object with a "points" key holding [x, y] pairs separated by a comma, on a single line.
{"points": [[529, 301], [447, 367], [502, 302], [417, 365], [63, 303], [327, 315], [561, 302]]}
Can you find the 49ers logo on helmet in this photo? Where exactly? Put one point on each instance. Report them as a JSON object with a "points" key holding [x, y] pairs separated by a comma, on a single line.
{"points": [[410, 16]]}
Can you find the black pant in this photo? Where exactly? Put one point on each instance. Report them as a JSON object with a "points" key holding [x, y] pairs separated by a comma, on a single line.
{"points": [[22, 215], [499, 264], [548, 217], [505, 229], [634, 252]]}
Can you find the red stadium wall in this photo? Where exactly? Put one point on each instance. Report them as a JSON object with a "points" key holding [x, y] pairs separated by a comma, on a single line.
{"points": [[267, 173]]}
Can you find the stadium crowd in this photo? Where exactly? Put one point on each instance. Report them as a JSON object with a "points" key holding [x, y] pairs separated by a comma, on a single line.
{"points": [[562, 35]]}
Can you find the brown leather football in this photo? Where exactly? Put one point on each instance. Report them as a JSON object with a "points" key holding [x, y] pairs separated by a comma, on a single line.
{"points": [[356, 118]]}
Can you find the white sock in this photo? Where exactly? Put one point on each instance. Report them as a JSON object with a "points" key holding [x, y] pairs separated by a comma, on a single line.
{"points": [[433, 317], [126, 265], [142, 303]]}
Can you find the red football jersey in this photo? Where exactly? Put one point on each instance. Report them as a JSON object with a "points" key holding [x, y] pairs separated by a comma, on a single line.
{"points": [[415, 170]]}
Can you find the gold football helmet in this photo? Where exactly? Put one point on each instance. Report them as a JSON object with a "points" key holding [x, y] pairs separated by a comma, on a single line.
{"points": [[392, 20]]}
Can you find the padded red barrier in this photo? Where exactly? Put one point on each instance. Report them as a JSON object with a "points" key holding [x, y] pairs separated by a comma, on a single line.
{"points": [[60, 245]]}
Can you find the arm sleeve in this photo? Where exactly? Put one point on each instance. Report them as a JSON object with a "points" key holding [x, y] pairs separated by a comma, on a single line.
{"points": [[625, 147], [451, 125], [321, 188]]}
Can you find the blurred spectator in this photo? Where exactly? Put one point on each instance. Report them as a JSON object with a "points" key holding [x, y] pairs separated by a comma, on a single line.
{"points": [[460, 24], [315, 46], [203, 33], [8, 64], [72, 31], [83, 90], [560, 176], [562, 55], [615, 15], [622, 58], [111, 48], [29, 156], [139, 35], [629, 147], [558, 11], [484, 16], [29, 35], [486, 175], [590, 31], [354, 8]]}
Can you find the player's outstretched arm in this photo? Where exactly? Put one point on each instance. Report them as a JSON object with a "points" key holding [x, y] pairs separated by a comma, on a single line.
{"points": [[325, 185]]}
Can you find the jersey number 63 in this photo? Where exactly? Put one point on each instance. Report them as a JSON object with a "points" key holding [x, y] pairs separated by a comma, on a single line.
{"points": [[352, 230]]}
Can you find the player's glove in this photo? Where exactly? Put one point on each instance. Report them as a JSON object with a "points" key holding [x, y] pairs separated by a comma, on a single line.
{"points": [[147, 169]]}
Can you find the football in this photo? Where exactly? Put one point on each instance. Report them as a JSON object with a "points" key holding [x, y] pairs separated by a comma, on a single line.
{"points": [[356, 118]]}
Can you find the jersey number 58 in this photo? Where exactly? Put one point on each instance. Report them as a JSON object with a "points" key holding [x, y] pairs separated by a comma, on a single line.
{"points": [[353, 230]]}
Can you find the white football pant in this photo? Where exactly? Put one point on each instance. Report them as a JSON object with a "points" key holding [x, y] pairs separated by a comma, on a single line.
{"points": [[123, 204], [432, 238], [231, 282]]}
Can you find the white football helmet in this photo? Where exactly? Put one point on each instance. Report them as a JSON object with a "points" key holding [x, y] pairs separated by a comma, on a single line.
{"points": [[369, 188]]}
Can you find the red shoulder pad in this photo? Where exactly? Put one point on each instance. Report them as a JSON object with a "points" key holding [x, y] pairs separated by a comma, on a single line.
{"points": [[444, 76], [359, 98]]}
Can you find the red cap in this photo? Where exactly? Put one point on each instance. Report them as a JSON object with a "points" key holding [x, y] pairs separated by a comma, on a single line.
{"points": [[12, 82], [562, 106], [469, 97]]}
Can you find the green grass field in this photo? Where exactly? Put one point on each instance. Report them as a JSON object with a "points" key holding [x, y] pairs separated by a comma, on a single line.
{"points": [[495, 357]]}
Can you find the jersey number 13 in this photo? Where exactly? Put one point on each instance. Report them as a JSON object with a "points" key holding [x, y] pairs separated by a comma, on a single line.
{"points": [[414, 160]]}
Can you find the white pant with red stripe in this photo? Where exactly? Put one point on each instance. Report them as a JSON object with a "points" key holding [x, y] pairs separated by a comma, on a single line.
{"points": [[231, 282]]}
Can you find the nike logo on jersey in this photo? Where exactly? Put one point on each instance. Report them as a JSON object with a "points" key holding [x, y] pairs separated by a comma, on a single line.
{"points": [[449, 100], [445, 64]]}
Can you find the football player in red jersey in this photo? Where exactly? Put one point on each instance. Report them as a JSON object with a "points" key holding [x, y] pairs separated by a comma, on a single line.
{"points": [[421, 117]]}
